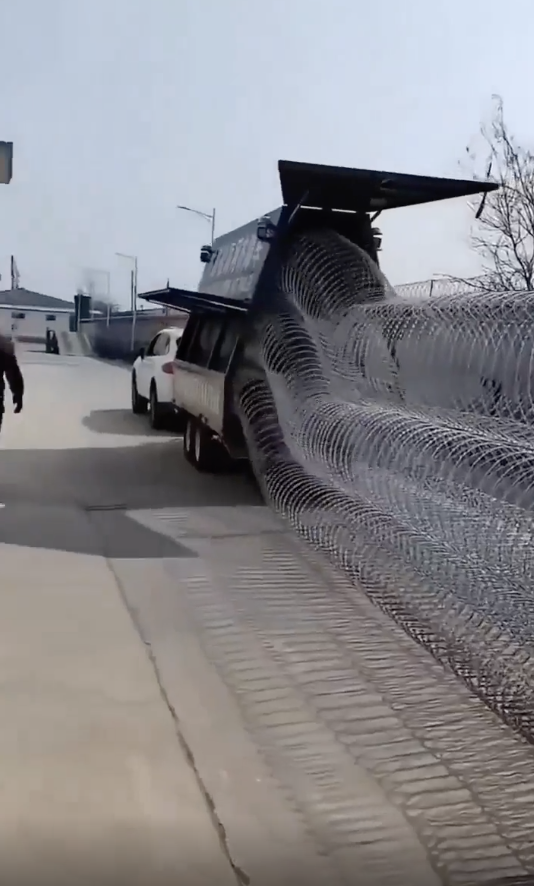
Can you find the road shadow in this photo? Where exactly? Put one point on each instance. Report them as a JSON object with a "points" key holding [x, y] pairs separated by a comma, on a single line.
{"points": [[121, 422], [69, 529], [75, 499]]}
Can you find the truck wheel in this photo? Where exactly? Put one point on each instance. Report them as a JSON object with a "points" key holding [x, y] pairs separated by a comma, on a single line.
{"points": [[139, 404], [157, 414], [179, 421], [201, 450], [189, 439]]}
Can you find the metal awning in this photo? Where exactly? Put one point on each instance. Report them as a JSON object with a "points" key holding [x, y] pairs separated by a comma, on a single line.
{"points": [[187, 300], [366, 190]]}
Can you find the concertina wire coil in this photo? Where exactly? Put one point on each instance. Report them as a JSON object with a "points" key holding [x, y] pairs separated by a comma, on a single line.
{"points": [[397, 438]]}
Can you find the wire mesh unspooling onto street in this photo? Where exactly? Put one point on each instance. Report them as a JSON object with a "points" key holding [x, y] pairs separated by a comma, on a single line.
{"points": [[397, 437]]}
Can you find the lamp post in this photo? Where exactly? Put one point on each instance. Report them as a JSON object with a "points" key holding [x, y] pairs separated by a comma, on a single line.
{"points": [[133, 259], [209, 216]]}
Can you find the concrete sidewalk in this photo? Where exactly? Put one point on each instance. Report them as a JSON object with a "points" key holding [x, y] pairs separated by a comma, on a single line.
{"points": [[94, 785]]}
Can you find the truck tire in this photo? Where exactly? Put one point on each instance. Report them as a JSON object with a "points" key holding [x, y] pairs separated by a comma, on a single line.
{"points": [[201, 450], [139, 404], [189, 439], [179, 421]]}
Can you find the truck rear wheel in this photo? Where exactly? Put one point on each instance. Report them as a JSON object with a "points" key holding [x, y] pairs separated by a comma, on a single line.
{"points": [[200, 448], [179, 421], [189, 439]]}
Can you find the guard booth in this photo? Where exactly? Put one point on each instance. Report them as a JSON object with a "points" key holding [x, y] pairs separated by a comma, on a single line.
{"points": [[82, 310]]}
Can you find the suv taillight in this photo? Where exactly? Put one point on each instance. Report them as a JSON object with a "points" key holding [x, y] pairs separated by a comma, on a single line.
{"points": [[167, 368]]}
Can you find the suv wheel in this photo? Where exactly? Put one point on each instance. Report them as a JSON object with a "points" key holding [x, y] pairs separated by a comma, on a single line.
{"points": [[157, 414], [139, 404]]}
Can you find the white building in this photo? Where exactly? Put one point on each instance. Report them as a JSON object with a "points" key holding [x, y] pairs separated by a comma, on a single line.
{"points": [[26, 315]]}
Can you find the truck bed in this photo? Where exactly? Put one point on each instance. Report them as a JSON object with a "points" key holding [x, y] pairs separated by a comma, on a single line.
{"points": [[200, 392]]}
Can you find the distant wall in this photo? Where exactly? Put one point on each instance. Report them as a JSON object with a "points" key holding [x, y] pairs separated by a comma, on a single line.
{"points": [[113, 341]]}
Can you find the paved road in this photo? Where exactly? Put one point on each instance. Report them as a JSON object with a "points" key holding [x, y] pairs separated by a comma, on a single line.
{"points": [[76, 459], [329, 747]]}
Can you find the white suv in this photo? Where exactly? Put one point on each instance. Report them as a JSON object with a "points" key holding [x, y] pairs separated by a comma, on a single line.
{"points": [[152, 377]]}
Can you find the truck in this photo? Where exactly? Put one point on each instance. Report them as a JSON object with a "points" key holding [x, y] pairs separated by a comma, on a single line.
{"points": [[219, 345]]}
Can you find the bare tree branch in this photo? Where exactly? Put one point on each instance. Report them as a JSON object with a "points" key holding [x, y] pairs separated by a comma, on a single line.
{"points": [[503, 236]]}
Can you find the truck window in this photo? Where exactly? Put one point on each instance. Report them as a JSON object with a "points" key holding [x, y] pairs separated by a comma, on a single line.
{"points": [[205, 340], [175, 346], [186, 342], [224, 348]]}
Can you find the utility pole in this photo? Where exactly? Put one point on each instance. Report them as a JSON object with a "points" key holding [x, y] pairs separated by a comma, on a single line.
{"points": [[133, 293]]}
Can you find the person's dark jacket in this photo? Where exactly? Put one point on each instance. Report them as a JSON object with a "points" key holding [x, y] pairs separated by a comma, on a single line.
{"points": [[10, 372]]}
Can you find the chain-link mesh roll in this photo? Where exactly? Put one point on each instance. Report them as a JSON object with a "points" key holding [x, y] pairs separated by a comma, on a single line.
{"points": [[397, 438]]}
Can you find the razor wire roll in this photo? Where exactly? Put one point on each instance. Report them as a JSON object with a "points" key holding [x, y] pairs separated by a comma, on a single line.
{"points": [[398, 438]]}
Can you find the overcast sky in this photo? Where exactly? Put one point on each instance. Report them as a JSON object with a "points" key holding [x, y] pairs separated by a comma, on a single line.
{"points": [[120, 109]]}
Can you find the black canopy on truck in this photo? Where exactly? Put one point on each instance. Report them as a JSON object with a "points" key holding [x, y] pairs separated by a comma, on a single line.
{"points": [[232, 272], [187, 300], [367, 190]]}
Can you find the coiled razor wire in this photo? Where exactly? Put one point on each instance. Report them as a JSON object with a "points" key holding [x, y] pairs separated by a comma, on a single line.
{"points": [[398, 438]]}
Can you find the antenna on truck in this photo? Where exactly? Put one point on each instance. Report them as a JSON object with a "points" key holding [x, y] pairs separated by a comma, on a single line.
{"points": [[480, 209], [297, 207]]}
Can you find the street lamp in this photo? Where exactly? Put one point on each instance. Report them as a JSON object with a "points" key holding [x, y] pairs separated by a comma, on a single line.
{"points": [[133, 259], [209, 216]]}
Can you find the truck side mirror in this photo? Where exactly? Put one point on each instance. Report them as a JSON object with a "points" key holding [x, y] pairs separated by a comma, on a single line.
{"points": [[377, 238], [206, 254], [265, 231]]}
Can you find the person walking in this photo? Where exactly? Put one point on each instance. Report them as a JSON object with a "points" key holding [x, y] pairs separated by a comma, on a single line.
{"points": [[10, 372]]}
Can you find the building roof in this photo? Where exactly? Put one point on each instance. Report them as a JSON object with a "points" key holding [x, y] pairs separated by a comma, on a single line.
{"points": [[32, 309], [27, 298]]}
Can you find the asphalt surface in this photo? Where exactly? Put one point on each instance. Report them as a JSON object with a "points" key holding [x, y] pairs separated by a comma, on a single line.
{"points": [[327, 744], [77, 459]]}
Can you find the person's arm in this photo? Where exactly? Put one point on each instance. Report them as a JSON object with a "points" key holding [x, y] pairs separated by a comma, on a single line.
{"points": [[12, 372]]}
